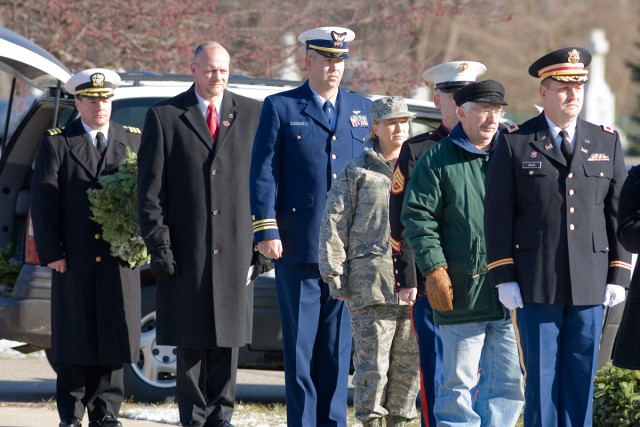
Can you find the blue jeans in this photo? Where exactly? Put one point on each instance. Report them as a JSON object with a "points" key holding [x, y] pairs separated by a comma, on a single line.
{"points": [[491, 347]]}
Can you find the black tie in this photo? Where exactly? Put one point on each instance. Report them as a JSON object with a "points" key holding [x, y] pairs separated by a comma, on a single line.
{"points": [[100, 145], [565, 145], [327, 110]]}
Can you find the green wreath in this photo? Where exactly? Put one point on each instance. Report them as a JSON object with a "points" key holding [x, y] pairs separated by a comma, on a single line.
{"points": [[115, 207]]}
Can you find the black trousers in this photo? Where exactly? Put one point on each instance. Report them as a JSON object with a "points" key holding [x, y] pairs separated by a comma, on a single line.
{"points": [[98, 388], [206, 384]]}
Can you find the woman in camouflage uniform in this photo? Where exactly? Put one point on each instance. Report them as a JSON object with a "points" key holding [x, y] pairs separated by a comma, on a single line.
{"points": [[355, 260]]}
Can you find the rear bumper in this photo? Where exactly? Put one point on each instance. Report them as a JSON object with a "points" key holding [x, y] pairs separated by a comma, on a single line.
{"points": [[25, 310]]}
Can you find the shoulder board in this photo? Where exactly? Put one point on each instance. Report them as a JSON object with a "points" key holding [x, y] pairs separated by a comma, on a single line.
{"points": [[512, 127], [607, 128], [55, 131], [132, 129]]}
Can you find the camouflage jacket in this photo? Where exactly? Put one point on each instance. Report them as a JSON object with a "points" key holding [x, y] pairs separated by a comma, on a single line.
{"points": [[354, 251]]}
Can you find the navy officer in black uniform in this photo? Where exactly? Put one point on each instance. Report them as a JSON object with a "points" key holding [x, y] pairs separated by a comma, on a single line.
{"points": [[446, 78], [550, 216], [95, 297]]}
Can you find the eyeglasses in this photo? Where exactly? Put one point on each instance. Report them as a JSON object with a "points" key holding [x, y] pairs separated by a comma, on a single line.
{"points": [[484, 112]]}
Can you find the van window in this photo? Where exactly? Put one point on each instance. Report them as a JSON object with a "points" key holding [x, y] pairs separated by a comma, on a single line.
{"points": [[131, 112]]}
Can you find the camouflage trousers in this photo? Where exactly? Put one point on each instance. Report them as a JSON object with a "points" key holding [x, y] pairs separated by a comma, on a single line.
{"points": [[386, 378]]}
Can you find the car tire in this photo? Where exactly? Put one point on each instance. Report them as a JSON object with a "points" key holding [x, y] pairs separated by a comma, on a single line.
{"points": [[153, 378]]}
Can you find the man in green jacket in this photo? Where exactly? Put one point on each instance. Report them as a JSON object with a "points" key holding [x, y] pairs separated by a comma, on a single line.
{"points": [[443, 217]]}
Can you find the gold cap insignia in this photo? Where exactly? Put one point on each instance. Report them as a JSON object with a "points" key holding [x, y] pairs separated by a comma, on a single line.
{"points": [[574, 56], [463, 67], [97, 79]]}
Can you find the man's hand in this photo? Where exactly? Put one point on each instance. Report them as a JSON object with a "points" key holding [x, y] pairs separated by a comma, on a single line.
{"points": [[271, 249], [614, 295], [509, 295], [60, 265], [439, 290], [408, 295], [162, 264]]}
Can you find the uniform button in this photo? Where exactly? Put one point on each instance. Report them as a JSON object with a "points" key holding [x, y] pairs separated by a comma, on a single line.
{"points": [[298, 137], [334, 137], [97, 236], [530, 172], [335, 175], [571, 192], [98, 259], [216, 251], [572, 209], [293, 209], [213, 172], [517, 246], [395, 271], [570, 175], [601, 173], [333, 156], [572, 227], [215, 212]]}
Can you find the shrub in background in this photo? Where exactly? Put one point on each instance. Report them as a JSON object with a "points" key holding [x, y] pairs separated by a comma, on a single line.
{"points": [[616, 397]]}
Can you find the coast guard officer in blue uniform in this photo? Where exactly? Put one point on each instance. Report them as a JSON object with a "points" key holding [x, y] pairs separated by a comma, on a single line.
{"points": [[550, 218], [305, 138]]}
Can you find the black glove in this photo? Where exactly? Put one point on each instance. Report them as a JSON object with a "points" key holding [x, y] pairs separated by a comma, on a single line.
{"points": [[261, 263], [162, 264]]}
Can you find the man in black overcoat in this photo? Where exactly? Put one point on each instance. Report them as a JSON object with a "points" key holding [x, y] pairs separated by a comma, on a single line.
{"points": [[194, 213], [95, 298]]}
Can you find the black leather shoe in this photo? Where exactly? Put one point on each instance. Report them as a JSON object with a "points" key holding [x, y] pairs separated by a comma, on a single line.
{"points": [[223, 423], [193, 424], [70, 422], [106, 421]]}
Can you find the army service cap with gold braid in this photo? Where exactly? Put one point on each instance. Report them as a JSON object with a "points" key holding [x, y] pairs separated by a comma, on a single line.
{"points": [[93, 83], [331, 42], [564, 65], [451, 76]]}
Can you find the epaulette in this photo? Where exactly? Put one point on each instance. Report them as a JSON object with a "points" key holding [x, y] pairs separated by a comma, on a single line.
{"points": [[512, 127], [607, 128], [132, 129], [55, 131]]}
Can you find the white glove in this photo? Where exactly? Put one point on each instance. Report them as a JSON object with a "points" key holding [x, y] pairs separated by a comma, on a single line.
{"points": [[614, 295], [509, 295]]}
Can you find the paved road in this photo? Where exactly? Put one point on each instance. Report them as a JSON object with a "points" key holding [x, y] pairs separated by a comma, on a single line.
{"points": [[31, 379]]}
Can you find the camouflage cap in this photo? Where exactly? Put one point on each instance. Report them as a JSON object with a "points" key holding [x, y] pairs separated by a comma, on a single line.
{"points": [[390, 107]]}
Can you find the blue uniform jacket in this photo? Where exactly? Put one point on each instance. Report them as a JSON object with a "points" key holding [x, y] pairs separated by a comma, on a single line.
{"points": [[295, 157]]}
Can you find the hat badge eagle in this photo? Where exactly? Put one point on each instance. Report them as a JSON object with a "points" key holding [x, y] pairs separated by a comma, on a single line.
{"points": [[338, 38], [97, 79], [573, 56]]}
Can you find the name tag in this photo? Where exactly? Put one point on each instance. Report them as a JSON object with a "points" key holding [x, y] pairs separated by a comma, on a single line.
{"points": [[531, 165], [298, 123]]}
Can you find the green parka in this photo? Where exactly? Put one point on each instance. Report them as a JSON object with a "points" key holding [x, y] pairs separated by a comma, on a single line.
{"points": [[443, 214]]}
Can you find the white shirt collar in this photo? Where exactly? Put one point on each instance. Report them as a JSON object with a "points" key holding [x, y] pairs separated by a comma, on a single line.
{"points": [[204, 104], [555, 129], [93, 132], [322, 100]]}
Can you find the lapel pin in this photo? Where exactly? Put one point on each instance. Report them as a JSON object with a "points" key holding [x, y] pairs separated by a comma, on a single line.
{"points": [[584, 150], [225, 123], [548, 146]]}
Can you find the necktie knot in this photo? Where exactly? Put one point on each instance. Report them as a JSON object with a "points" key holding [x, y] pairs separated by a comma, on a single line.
{"points": [[212, 121], [100, 144], [327, 108], [565, 145]]}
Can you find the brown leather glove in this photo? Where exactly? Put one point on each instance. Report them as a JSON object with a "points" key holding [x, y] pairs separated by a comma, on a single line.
{"points": [[439, 290]]}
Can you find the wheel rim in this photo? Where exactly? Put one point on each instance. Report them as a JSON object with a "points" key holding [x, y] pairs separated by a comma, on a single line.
{"points": [[157, 365]]}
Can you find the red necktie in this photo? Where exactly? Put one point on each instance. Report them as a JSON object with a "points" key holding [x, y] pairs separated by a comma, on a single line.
{"points": [[212, 121]]}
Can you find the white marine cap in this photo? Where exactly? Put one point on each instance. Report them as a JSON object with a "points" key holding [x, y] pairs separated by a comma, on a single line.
{"points": [[451, 76], [93, 83], [328, 41]]}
